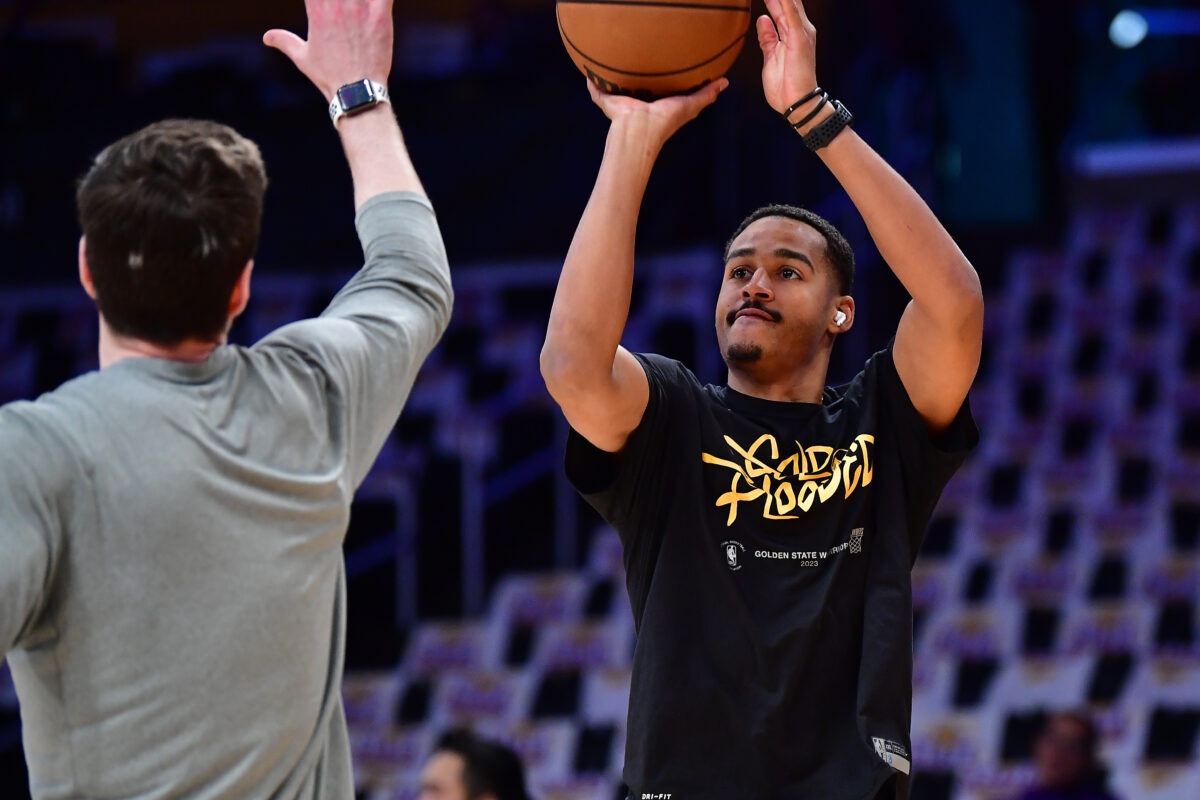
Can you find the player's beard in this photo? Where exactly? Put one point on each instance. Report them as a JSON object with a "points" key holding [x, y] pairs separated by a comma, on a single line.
{"points": [[743, 353]]}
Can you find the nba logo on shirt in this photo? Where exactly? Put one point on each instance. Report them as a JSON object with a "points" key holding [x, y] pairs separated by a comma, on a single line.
{"points": [[733, 554], [894, 754]]}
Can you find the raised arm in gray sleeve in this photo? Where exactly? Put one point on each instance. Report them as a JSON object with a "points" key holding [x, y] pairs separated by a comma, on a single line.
{"points": [[380, 327], [30, 530]]}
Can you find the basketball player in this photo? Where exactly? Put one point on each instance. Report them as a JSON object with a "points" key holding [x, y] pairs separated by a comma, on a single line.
{"points": [[769, 525], [172, 587]]}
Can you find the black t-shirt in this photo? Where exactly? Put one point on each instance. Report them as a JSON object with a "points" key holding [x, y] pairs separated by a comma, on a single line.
{"points": [[768, 550]]}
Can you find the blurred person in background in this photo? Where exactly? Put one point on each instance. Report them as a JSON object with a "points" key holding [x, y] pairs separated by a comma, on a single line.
{"points": [[172, 583], [465, 766], [1065, 761]]}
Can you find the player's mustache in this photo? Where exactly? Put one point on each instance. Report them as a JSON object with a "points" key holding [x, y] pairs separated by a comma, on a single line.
{"points": [[732, 315]]}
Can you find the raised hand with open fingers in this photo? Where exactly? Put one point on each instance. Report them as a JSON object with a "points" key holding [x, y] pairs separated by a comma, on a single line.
{"points": [[788, 40], [662, 117], [348, 40]]}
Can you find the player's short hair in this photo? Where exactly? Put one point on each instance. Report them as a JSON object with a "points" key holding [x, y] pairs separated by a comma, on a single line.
{"points": [[837, 249], [488, 766], [171, 214]]}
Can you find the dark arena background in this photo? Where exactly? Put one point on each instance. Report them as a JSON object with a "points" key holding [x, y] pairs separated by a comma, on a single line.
{"points": [[1059, 140]]}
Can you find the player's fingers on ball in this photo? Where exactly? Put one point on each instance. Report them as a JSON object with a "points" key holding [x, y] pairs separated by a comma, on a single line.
{"points": [[692, 103], [712, 87], [706, 95], [716, 87], [594, 91]]}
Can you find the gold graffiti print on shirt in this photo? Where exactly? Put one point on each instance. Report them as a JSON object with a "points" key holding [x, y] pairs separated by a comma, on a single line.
{"points": [[791, 485]]}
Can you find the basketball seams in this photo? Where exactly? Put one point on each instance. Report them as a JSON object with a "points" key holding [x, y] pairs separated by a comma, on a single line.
{"points": [[562, 31], [652, 42], [706, 61]]}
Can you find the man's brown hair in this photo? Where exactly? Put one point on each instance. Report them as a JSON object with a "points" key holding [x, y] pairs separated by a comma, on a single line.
{"points": [[171, 214]]}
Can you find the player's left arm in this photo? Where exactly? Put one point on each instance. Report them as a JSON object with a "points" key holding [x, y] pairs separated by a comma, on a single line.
{"points": [[30, 528], [940, 335]]}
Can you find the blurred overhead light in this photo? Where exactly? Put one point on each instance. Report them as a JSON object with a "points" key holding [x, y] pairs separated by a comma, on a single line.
{"points": [[1128, 28], [1132, 25]]}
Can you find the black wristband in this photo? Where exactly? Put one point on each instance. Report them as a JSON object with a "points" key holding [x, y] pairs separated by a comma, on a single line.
{"points": [[824, 133], [815, 111], [803, 100]]}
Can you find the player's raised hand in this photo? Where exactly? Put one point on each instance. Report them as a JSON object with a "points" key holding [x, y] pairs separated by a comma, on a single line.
{"points": [[788, 40], [348, 40], [661, 118]]}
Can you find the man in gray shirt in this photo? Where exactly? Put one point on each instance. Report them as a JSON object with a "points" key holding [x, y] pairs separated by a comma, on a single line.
{"points": [[172, 587]]}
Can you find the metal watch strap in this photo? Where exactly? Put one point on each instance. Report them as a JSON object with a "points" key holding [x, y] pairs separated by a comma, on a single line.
{"points": [[372, 94], [824, 133]]}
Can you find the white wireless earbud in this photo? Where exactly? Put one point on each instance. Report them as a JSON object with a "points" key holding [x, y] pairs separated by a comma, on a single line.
{"points": [[839, 317]]}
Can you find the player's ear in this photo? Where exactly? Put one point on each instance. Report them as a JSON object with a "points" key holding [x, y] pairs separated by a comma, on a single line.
{"points": [[842, 318], [241, 291], [85, 272]]}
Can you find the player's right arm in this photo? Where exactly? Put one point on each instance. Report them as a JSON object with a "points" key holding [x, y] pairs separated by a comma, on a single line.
{"points": [[599, 385]]}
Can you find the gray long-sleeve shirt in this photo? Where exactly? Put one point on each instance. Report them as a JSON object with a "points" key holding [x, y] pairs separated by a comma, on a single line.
{"points": [[172, 587]]}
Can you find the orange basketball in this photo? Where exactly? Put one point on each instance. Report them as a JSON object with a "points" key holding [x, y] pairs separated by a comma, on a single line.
{"points": [[652, 48]]}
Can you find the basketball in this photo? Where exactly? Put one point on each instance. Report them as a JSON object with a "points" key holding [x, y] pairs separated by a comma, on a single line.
{"points": [[653, 48]]}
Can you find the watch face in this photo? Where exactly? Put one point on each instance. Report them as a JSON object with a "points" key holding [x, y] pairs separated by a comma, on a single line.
{"points": [[356, 95]]}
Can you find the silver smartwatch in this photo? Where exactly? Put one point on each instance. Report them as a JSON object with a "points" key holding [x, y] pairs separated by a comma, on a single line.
{"points": [[355, 97]]}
